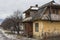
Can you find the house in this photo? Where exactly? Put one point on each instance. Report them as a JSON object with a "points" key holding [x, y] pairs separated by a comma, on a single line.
{"points": [[42, 20]]}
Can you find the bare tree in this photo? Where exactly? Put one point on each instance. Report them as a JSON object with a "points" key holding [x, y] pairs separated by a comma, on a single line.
{"points": [[13, 21], [17, 19], [7, 23]]}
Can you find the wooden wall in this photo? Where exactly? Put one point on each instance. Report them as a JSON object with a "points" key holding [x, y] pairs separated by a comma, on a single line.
{"points": [[28, 29]]}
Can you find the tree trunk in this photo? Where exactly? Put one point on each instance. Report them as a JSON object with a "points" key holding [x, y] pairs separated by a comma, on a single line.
{"points": [[18, 28]]}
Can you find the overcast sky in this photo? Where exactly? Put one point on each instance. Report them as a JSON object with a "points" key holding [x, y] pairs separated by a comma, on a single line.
{"points": [[7, 7]]}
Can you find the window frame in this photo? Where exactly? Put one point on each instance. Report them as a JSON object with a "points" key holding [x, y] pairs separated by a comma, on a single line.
{"points": [[36, 27], [56, 11]]}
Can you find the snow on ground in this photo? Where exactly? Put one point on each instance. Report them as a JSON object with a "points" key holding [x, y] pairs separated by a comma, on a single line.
{"points": [[8, 35], [15, 36]]}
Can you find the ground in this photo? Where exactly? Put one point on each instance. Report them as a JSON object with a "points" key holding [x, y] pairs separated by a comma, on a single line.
{"points": [[4, 36]]}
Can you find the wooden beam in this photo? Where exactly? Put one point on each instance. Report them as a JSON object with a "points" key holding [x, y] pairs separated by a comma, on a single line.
{"points": [[50, 11]]}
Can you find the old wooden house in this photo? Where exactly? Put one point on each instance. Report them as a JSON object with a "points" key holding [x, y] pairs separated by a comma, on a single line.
{"points": [[43, 19]]}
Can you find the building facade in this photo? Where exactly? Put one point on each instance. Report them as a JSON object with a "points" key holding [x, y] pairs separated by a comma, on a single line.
{"points": [[44, 20]]}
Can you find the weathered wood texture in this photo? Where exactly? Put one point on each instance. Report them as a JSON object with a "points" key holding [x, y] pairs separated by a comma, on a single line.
{"points": [[29, 29]]}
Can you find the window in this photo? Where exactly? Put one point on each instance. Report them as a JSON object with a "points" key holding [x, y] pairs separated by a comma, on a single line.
{"points": [[36, 27], [55, 11]]}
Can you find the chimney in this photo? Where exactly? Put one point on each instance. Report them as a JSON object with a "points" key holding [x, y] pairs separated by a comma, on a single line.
{"points": [[53, 1], [36, 5], [31, 6]]}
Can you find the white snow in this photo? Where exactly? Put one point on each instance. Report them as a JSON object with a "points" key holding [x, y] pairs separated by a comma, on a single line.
{"points": [[34, 8], [27, 19], [14, 37], [56, 4], [8, 36]]}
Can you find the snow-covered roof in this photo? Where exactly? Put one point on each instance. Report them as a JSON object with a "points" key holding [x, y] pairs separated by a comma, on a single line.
{"points": [[27, 19], [56, 4], [35, 8]]}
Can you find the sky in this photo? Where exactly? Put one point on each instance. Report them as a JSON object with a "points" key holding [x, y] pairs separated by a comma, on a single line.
{"points": [[7, 7]]}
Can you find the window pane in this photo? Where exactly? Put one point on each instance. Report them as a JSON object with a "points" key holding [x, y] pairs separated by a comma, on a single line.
{"points": [[36, 27]]}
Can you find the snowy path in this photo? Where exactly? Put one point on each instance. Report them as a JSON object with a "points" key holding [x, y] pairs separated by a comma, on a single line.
{"points": [[3, 37]]}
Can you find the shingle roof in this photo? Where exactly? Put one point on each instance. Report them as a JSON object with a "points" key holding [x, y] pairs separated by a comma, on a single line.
{"points": [[42, 16], [39, 13], [41, 10]]}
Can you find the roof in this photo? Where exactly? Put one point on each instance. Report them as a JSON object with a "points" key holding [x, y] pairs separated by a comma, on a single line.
{"points": [[45, 5], [33, 8], [39, 13], [41, 10], [27, 19]]}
